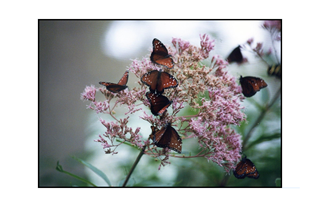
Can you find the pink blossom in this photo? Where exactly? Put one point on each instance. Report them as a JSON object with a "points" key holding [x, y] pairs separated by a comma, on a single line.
{"points": [[249, 41], [258, 49], [206, 45], [272, 25], [181, 45], [217, 111], [88, 93]]}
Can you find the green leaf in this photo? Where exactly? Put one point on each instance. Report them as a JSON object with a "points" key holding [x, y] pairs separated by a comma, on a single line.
{"points": [[278, 182], [94, 169], [264, 138], [59, 168]]}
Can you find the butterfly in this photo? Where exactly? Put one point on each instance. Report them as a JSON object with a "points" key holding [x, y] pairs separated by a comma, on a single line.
{"points": [[245, 168], [160, 54], [158, 81], [117, 87], [235, 56], [158, 103], [275, 70], [167, 137], [251, 85]]}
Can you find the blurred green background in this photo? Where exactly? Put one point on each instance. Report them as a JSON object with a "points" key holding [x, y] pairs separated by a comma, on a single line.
{"points": [[73, 54]]}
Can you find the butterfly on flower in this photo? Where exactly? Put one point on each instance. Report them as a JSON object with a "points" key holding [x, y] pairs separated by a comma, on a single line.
{"points": [[158, 81], [158, 103], [167, 137], [117, 87], [160, 54], [246, 168]]}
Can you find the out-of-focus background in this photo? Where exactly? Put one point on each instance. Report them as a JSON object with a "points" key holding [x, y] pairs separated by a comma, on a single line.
{"points": [[76, 54]]}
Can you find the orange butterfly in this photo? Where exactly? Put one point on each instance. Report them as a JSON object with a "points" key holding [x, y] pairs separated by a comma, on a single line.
{"points": [[114, 87], [160, 54], [246, 168], [158, 81], [158, 103], [167, 137], [251, 85]]}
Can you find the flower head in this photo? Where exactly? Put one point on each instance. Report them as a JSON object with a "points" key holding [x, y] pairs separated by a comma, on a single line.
{"points": [[209, 91]]}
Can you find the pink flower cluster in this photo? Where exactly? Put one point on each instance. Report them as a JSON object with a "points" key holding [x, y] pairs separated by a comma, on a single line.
{"points": [[211, 91], [272, 25]]}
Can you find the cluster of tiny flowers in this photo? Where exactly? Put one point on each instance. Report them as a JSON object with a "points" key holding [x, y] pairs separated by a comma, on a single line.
{"points": [[272, 25], [274, 28], [210, 91]]}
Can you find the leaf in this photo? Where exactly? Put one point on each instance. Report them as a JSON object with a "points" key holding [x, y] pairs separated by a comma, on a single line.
{"points": [[278, 182], [59, 168], [264, 138], [94, 169]]}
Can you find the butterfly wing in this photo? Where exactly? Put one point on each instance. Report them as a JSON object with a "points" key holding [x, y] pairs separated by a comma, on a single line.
{"points": [[246, 168], [254, 175], [251, 85], [158, 136], [250, 167], [251, 170], [176, 141], [106, 84], [116, 88], [113, 87], [235, 55], [247, 88], [158, 103], [124, 80], [160, 54], [240, 171], [151, 79], [167, 81], [158, 81]]}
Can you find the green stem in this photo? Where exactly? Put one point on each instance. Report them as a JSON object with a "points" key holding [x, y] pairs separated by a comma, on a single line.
{"points": [[224, 180], [59, 168], [134, 166], [244, 145]]}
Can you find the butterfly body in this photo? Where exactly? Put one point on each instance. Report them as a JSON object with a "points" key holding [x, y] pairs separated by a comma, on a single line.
{"points": [[117, 87], [158, 103], [168, 137], [158, 81], [251, 85], [246, 168], [160, 54]]}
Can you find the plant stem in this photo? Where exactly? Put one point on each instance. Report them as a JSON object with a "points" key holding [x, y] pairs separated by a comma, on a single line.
{"points": [[224, 180], [263, 112], [134, 165]]}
